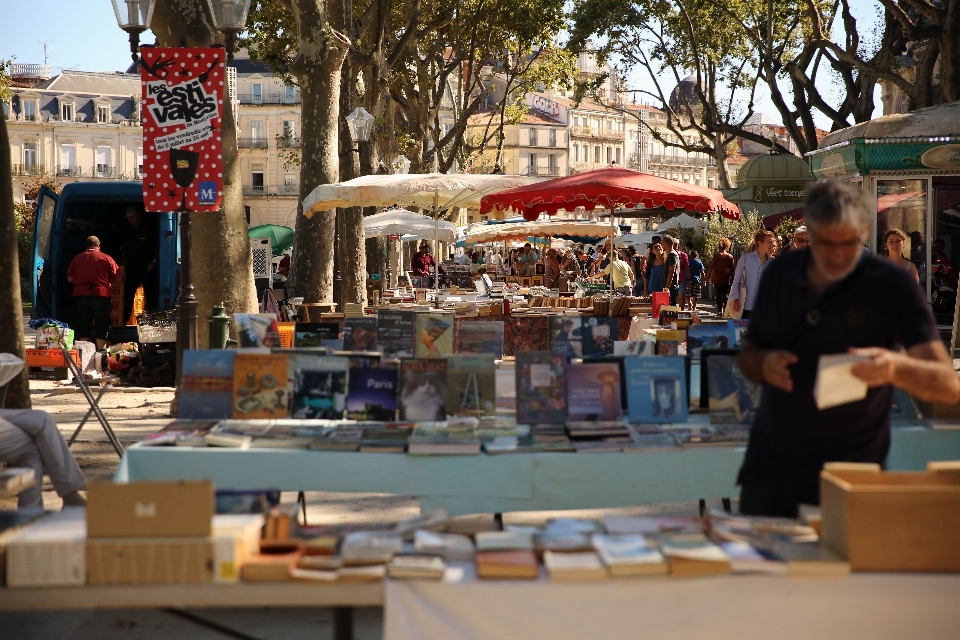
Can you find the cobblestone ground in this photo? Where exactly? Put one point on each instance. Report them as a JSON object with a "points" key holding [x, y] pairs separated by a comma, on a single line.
{"points": [[134, 413]]}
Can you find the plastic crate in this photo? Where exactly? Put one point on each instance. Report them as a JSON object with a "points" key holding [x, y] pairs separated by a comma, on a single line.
{"points": [[286, 334], [154, 353], [50, 358]]}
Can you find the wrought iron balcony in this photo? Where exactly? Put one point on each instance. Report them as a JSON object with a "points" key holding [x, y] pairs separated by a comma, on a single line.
{"points": [[105, 171], [252, 143], [256, 190], [289, 190], [69, 172], [268, 98], [28, 170]]}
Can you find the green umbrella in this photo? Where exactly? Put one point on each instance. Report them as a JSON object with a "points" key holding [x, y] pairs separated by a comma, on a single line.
{"points": [[281, 238]]}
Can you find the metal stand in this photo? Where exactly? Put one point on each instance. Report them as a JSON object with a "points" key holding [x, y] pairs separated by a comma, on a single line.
{"points": [[187, 335], [94, 407], [343, 623], [302, 500]]}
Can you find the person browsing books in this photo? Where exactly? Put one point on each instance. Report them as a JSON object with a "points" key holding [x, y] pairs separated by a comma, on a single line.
{"points": [[720, 273], [834, 297], [621, 273], [749, 270]]}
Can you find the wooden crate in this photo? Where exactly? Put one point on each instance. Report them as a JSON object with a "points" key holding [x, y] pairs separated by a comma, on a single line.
{"points": [[896, 521]]}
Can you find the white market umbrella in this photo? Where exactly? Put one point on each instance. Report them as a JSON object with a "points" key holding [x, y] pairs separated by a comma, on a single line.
{"points": [[400, 222], [637, 238], [682, 221], [545, 228], [432, 191]]}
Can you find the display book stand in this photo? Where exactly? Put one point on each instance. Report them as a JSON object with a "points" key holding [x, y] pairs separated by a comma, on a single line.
{"points": [[94, 402]]}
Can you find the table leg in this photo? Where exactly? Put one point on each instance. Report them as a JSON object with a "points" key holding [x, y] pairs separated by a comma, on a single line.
{"points": [[86, 417], [498, 520], [703, 507], [302, 499], [726, 504], [343, 623], [211, 624]]}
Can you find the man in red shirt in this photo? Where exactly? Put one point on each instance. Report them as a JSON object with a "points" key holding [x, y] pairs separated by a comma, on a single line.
{"points": [[93, 274], [422, 263]]}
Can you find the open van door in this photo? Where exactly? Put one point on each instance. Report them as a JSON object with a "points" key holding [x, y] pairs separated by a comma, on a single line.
{"points": [[42, 243]]}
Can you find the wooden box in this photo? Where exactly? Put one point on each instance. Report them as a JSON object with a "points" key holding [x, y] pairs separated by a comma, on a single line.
{"points": [[896, 521]]}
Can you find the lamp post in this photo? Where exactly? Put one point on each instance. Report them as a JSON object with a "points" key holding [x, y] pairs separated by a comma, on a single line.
{"points": [[360, 123], [229, 18], [134, 17]]}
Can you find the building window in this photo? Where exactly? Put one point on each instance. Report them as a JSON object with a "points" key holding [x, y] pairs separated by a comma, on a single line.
{"points": [[618, 155], [139, 161], [533, 165], [533, 137], [576, 121], [553, 137], [256, 181], [103, 167], [256, 129], [288, 92], [103, 114], [257, 92], [609, 155], [289, 129], [552, 164], [596, 155], [68, 159], [246, 212], [66, 111], [29, 110], [30, 153], [576, 152]]}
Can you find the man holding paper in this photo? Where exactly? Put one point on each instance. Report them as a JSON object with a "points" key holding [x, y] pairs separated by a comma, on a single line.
{"points": [[835, 298]]}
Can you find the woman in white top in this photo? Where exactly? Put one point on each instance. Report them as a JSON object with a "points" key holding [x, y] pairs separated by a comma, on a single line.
{"points": [[749, 269], [893, 241]]}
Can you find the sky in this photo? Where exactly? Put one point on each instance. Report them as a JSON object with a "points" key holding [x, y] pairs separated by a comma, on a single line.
{"points": [[83, 35]]}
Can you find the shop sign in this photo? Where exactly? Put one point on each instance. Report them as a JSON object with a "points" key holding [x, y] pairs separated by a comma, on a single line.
{"points": [[778, 193], [182, 108], [944, 156]]}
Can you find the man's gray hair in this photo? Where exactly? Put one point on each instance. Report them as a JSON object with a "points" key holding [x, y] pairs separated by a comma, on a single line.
{"points": [[801, 229], [833, 202]]}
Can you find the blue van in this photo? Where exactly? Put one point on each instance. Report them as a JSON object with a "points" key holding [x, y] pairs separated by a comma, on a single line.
{"points": [[95, 209]]}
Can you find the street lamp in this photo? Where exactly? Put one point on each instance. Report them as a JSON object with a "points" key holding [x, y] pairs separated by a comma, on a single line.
{"points": [[133, 16], [360, 123], [229, 18]]}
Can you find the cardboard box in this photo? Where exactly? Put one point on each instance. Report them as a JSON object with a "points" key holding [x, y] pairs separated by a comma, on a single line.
{"points": [[897, 521], [235, 538], [140, 561], [49, 552], [150, 509]]}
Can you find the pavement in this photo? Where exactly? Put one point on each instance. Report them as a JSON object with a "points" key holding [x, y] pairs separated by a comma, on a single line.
{"points": [[135, 412]]}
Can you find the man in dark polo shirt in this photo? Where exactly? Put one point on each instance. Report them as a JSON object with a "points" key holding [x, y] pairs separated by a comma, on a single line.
{"points": [[833, 297], [92, 274]]}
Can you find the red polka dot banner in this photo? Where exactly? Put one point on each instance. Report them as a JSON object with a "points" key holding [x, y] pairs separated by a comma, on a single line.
{"points": [[182, 152]]}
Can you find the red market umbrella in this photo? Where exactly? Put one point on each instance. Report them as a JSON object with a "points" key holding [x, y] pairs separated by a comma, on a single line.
{"points": [[610, 188]]}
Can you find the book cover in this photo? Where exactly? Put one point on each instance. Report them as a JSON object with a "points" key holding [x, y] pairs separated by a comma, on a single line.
{"points": [[636, 348], [669, 315], [360, 334], [599, 334], [480, 337], [735, 330], [260, 388], [656, 389], [315, 334], [206, 386], [541, 384], [593, 391], [391, 438], [257, 329], [668, 342], [396, 333], [731, 397], [319, 392], [372, 394], [423, 389], [434, 335], [566, 335], [706, 336], [471, 385]]}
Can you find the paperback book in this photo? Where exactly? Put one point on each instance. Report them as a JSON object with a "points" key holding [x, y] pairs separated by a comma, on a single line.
{"points": [[566, 336], [372, 393], [396, 333], [434, 335], [315, 334], [260, 388], [391, 438], [636, 348], [593, 391], [440, 439], [706, 336], [360, 333], [731, 397], [257, 329], [541, 385], [320, 392], [206, 387], [471, 385], [735, 330], [668, 342], [599, 334], [480, 337], [423, 389], [656, 389], [339, 439]]}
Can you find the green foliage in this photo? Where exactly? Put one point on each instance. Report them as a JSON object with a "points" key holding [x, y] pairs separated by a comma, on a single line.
{"points": [[739, 232], [786, 227], [5, 92], [271, 37]]}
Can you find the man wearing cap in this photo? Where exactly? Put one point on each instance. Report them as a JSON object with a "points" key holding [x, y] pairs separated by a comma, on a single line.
{"points": [[93, 274], [139, 246]]}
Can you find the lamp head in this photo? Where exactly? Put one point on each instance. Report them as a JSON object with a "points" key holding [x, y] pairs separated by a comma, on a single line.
{"points": [[133, 16], [360, 123]]}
